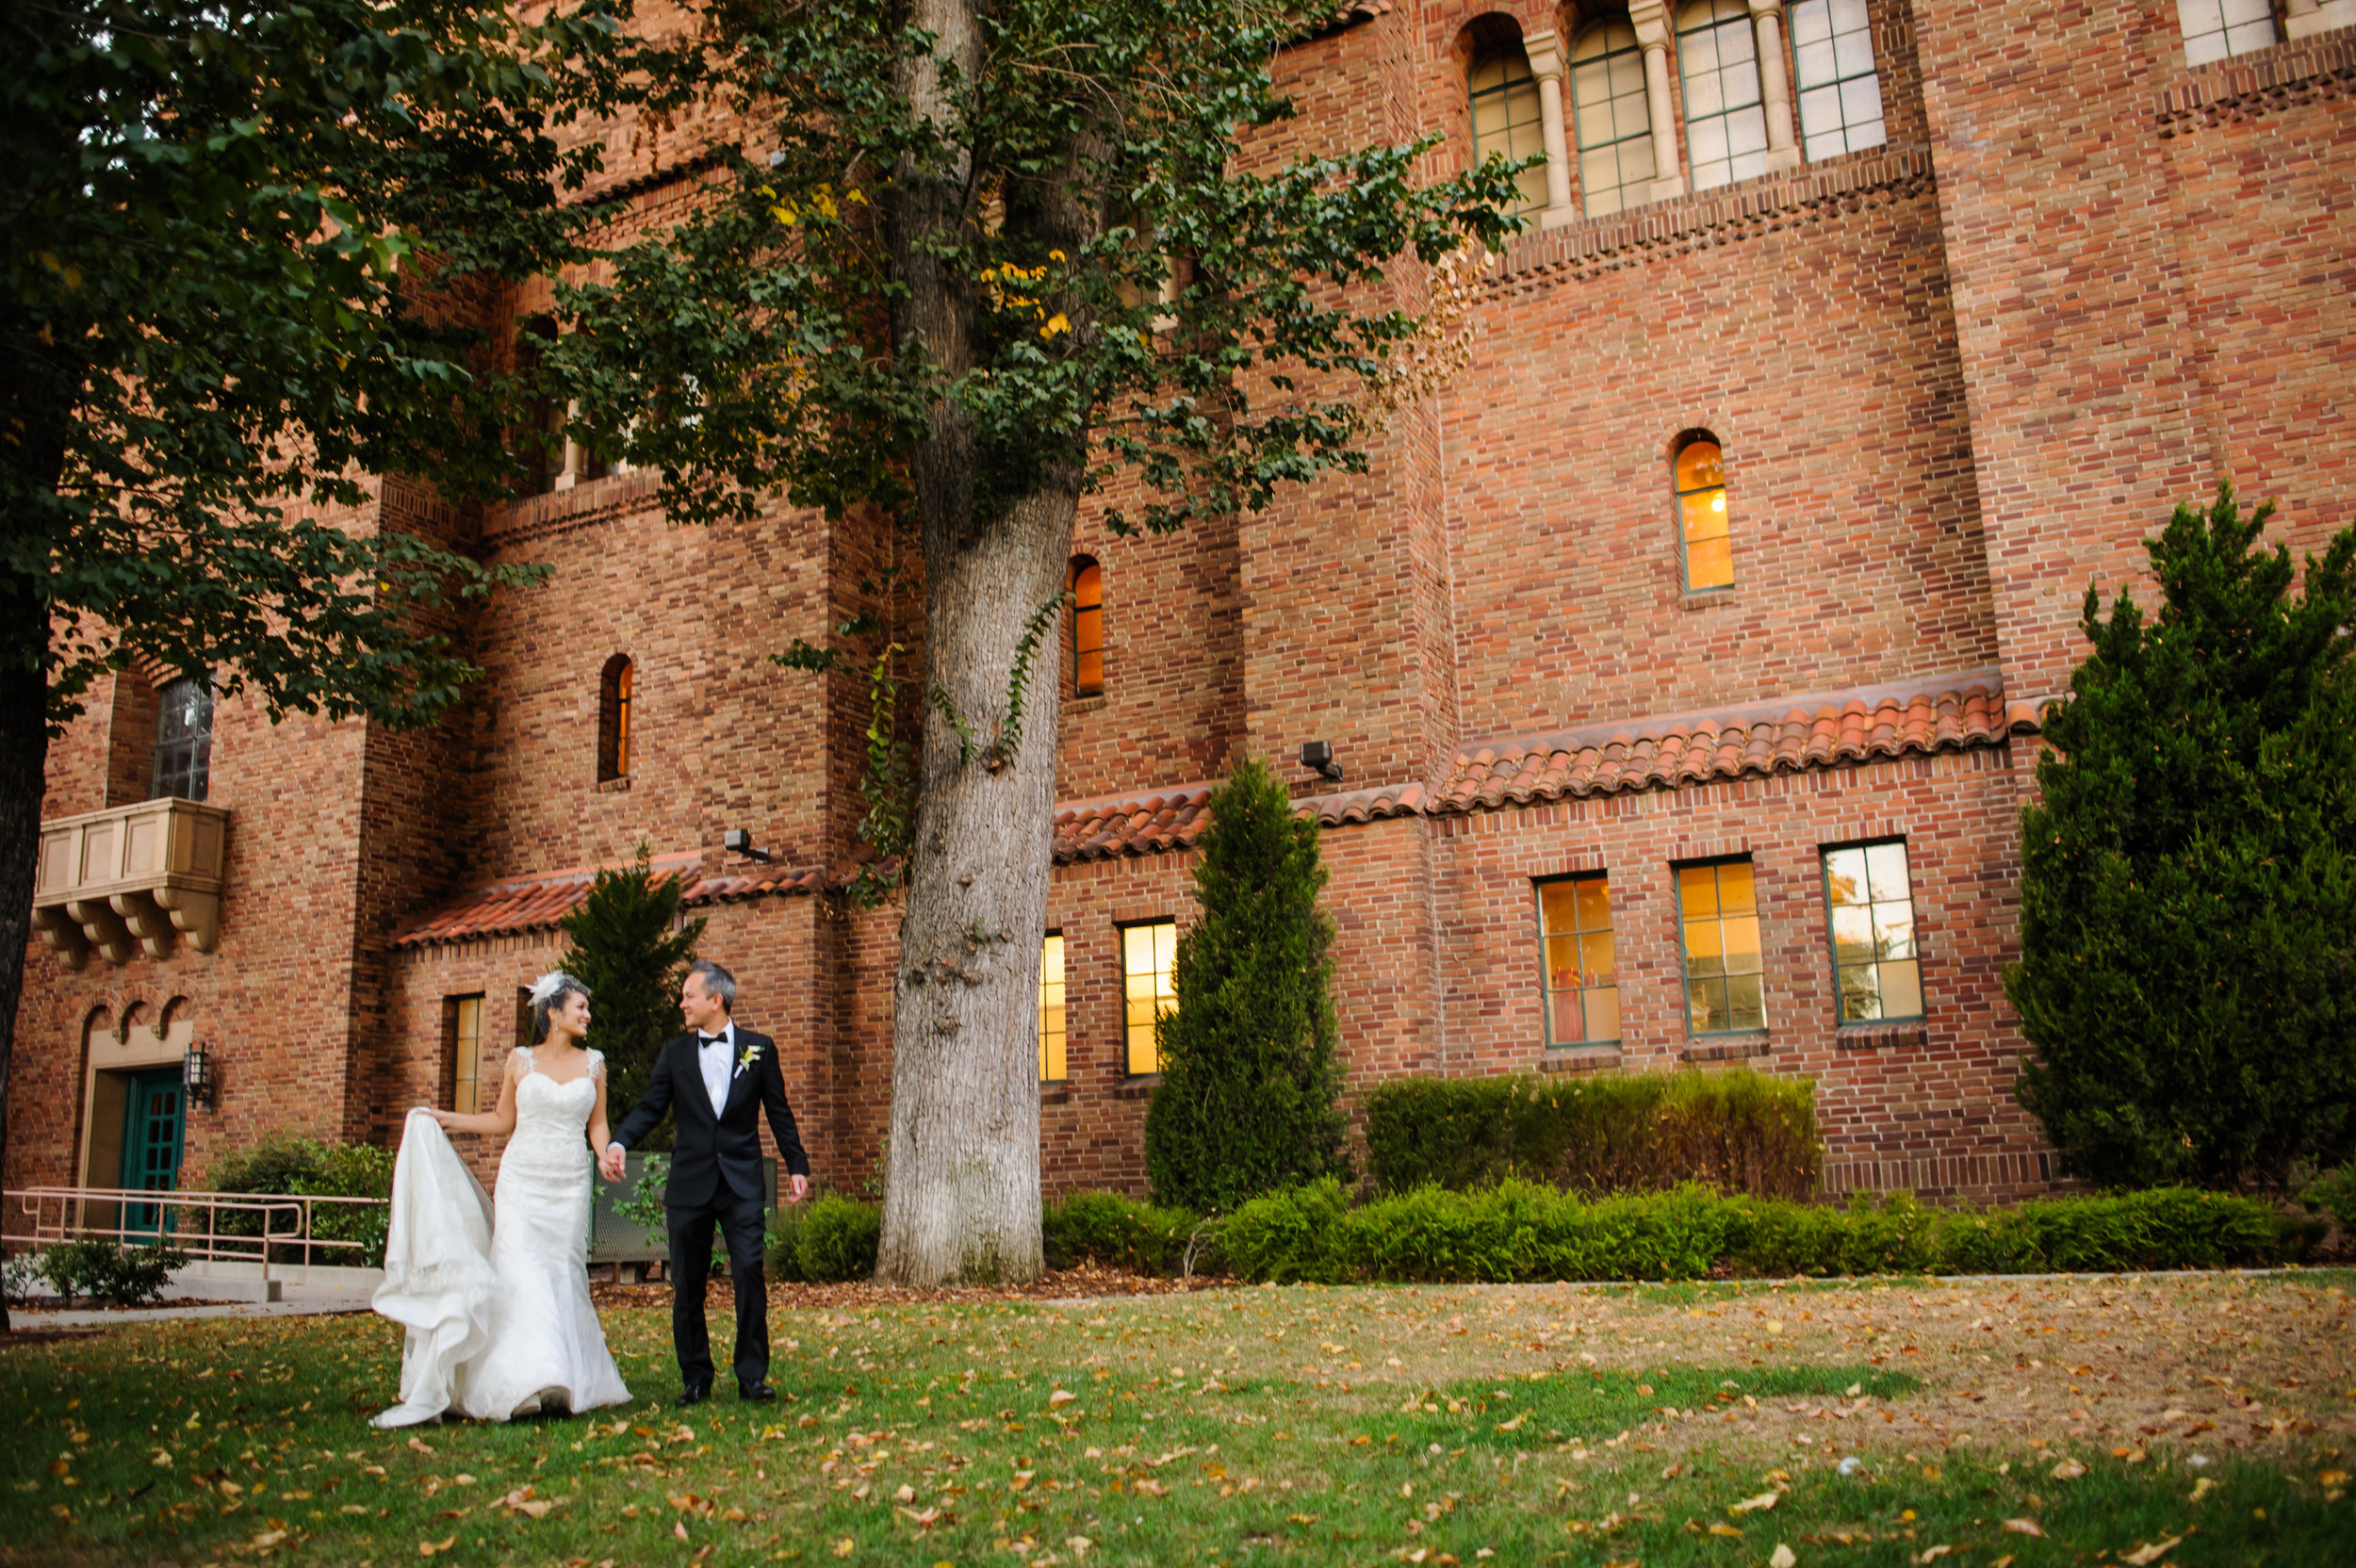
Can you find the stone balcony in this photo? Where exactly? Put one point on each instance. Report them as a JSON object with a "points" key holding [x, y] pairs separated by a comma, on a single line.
{"points": [[131, 875]]}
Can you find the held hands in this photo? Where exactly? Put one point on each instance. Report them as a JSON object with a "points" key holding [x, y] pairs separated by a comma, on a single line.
{"points": [[610, 1163]]}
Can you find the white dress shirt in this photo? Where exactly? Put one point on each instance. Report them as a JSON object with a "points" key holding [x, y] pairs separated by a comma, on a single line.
{"points": [[716, 1055]]}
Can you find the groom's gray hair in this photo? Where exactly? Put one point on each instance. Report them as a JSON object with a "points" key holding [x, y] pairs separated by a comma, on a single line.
{"points": [[717, 982]]}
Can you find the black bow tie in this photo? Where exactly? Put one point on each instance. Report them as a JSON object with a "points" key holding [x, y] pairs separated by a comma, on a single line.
{"points": [[709, 1040]]}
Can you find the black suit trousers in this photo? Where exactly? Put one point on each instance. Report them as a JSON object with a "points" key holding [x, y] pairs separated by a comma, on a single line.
{"points": [[740, 1223]]}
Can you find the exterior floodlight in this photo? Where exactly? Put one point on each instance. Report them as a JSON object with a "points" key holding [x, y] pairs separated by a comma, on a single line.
{"points": [[1317, 756]]}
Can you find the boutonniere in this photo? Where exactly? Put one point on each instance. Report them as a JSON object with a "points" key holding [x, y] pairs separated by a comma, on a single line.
{"points": [[744, 1062]]}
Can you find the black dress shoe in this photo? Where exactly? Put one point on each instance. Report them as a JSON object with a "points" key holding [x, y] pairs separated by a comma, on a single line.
{"points": [[758, 1393], [691, 1396]]}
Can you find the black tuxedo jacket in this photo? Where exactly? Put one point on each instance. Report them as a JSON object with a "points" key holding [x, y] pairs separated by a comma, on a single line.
{"points": [[716, 1144]]}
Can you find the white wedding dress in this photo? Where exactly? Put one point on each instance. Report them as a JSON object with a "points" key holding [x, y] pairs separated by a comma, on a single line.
{"points": [[496, 1303]]}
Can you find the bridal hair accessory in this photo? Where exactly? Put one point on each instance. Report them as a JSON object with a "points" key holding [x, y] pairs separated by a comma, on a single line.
{"points": [[551, 983]]}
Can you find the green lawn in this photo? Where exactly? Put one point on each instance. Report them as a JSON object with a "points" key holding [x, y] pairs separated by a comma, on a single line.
{"points": [[1302, 1425]]}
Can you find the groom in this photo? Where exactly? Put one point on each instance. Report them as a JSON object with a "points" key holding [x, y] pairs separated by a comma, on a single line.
{"points": [[718, 1077]]}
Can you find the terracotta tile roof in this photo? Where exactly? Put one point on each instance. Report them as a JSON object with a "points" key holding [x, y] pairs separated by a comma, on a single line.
{"points": [[538, 903], [1783, 736], [1157, 821]]}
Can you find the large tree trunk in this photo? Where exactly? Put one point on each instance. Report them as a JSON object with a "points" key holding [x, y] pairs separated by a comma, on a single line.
{"points": [[961, 1199], [24, 763]]}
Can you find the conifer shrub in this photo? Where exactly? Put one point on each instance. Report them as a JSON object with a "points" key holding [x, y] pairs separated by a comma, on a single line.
{"points": [[1737, 1131], [1250, 1073], [630, 950], [2187, 971]]}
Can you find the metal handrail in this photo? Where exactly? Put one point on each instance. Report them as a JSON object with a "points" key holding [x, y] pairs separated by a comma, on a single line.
{"points": [[63, 1214]]}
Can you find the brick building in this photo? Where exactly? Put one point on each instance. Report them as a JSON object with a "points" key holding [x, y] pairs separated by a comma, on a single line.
{"points": [[1679, 662]]}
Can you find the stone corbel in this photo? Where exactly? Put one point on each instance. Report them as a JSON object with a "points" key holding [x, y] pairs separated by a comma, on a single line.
{"points": [[1651, 20], [2306, 18], [103, 928], [1545, 51], [1774, 85], [197, 915], [147, 921], [63, 936]]}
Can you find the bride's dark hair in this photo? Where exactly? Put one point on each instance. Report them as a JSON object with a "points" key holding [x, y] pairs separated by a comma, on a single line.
{"points": [[547, 996]]}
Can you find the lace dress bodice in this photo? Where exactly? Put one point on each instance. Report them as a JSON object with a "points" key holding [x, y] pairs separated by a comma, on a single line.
{"points": [[551, 1117]]}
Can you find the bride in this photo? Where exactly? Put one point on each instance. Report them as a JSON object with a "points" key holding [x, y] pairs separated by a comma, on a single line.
{"points": [[496, 1303]]}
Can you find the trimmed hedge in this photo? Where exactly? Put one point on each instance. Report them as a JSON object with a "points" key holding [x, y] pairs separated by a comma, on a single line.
{"points": [[837, 1239], [1520, 1230], [1739, 1131], [1117, 1231]]}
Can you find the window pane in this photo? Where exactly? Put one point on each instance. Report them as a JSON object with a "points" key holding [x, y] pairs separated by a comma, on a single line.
{"points": [[1051, 1009], [1845, 872], [1861, 994], [1506, 119], [1609, 117], [1832, 63], [1697, 891], [1705, 1006], [1741, 943], [1603, 1013], [1705, 513], [1595, 958], [1902, 989], [1594, 912], [1893, 930], [1852, 934], [1734, 888], [1704, 955], [1564, 1024], [1558, 906], [1886, 865], [1746, 1005], [1563, 963], [1709, 564]]}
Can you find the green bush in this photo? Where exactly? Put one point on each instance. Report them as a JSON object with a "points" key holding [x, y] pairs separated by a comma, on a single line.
{"points": [[1739, 1131], [837, 1239], [1252, 1075], [784, 1248], [1522, 1230], [1117, 1231], [97, 1268], [2334, 1193], [307, 1167], [2188, 872]]}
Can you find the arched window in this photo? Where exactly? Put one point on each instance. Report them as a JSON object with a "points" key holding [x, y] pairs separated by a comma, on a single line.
{"points": [[1087, 628], [1614, 126], [2218, 29], [184, 739], [1506, 119], [1709, 542], [614, 719], [1725, 120], [1832, 70]]}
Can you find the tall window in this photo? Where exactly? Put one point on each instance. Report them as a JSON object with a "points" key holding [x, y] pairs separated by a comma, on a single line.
{"points": [[1614, 127], [1875, 966], [1723, 973], [1582, 987], [184, 739], [1832, 67], [2215, 29], [461, 1028], [1505, 119], [1087, 628], [1050, 1010], [1725, 120], [614, 719], [1148, 957], [1708, 539], [539, 439]]}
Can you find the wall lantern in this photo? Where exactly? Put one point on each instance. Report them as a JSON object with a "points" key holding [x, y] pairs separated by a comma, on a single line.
{"points": [[1317, 756], [197, 1079], [736, 840]]}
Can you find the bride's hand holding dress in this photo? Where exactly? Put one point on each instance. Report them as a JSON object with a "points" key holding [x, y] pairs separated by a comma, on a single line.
{"points": [[497, 1301]]}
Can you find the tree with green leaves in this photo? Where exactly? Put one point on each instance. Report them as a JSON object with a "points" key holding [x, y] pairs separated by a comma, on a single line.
{"points": [[980, 260], [1250, 1063], [631, 950], [2187, 972], [223, 232]]}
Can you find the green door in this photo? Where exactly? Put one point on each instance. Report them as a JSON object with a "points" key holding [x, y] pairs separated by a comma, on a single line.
{"points": [[151, 1143]]}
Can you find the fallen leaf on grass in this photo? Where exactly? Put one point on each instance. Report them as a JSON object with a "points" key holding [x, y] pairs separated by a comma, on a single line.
{"points": [[845, 1547], [1726, 1530], [2143, 1557], [1782, 1557], [2025, 1526], [1152, 1489], [1060, 1399], [1932, 1554], [1514, 1425], [2069, 1470], [427, 1548], [420, 1448], [924, 1520], [267, 1538], [1765, 1499], [2200, 1489]]}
